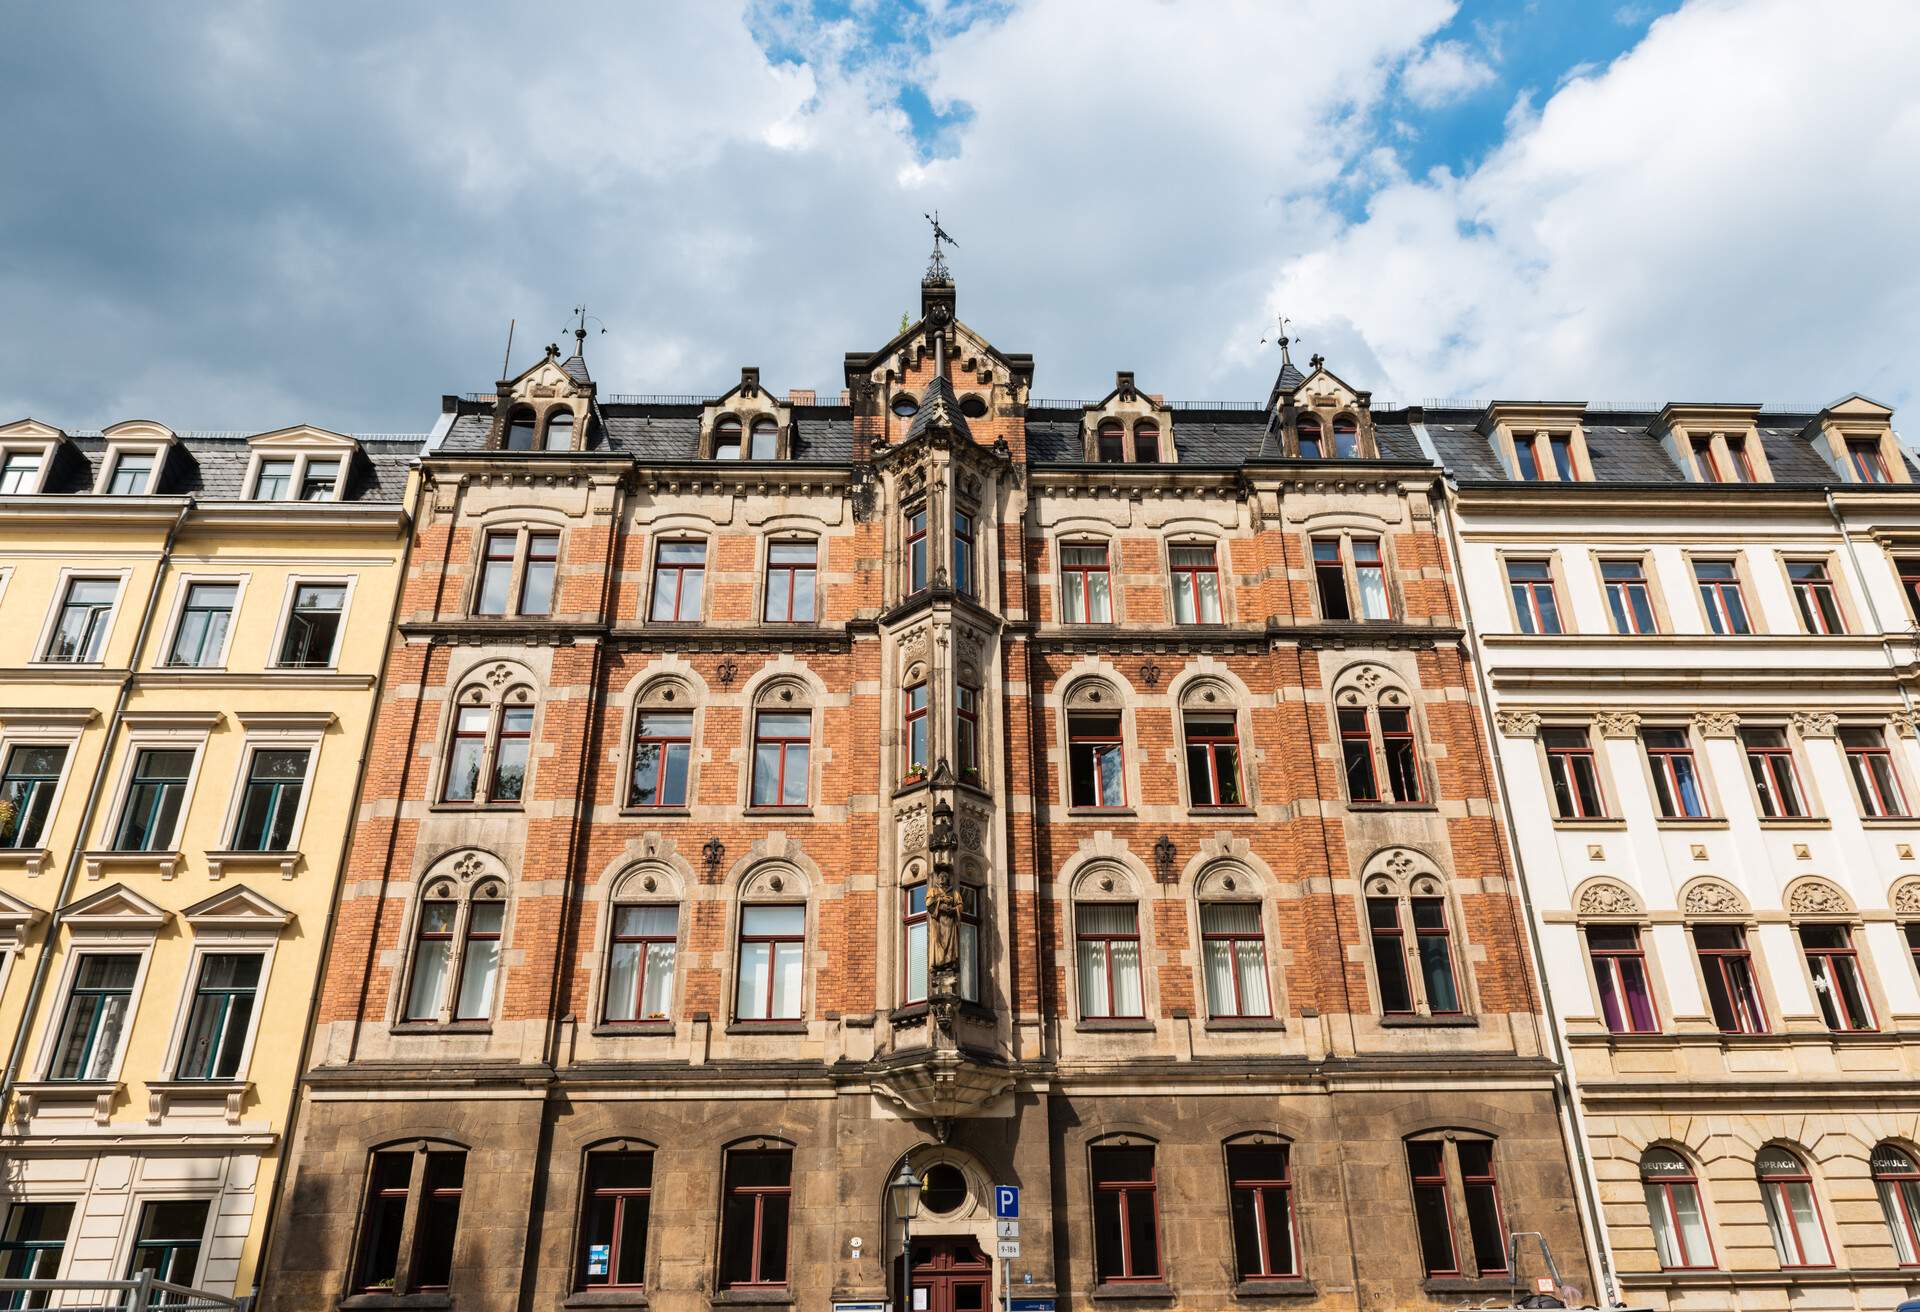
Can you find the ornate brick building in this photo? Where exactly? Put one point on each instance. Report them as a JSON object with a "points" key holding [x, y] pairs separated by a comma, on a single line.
{"points": [[1089, 797]]}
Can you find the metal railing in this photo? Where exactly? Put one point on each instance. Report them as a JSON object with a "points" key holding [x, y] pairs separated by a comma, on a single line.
{"points": [[142, 1291]]}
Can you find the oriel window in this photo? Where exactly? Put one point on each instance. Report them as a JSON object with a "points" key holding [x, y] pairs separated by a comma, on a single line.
{"points": [[964, 582], [914, 924], [914, 730], [918, 567], [966, 731]]}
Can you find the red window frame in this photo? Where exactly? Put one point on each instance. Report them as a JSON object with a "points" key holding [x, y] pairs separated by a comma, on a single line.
{"points": [[1086, 571], [1438, 927], [1612, 967], [786, 743], [1330, 579], [1816, 597], [963, 555], [1526, 459], [913, 715], [726, 433], [463, 734], [1869, 465], [679, 570], [1560, 447], [1481, 1188], [1912, 929], [457, 972], [644, 944], [1714, 594], [783, 577], [1146, 443], [1909, 570], [1533, 616], [500, 548], [1367, 559], [1742, 462], [1187, 575], [1388, 939], [1233, 939], [1662, 759], [542, 549], [1879, 790], [1827, 964], [1909, 1175], [773, 942], [621, 1197], [1401, 748], [423, 935], [1110, 442], [761, 1195], [1346, 437], [1128, 1194], [918, 573], [1629, 595], [1211, 733], [1429, 1180], [1569, 755], [1258, 1187], [1706, 462], [1100, 743], [1106, 939], [1306, 430], [1778, 1181], [1667, 1184], [664, 744], [1356, 733], [1775, 780], [1732, 967], [515, 726]]}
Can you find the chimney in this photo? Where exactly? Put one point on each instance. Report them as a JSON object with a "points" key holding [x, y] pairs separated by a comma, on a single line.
{"points": [[800, 396]]}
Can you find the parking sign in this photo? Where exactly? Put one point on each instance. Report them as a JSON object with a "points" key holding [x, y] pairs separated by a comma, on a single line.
{"points": [[1006, 1201]]}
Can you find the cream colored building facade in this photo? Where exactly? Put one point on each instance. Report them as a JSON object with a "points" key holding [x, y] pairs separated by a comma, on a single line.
{"points": [[192, 628], [1700, 653]]}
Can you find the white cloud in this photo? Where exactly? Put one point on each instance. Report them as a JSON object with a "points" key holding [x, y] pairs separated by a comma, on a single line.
{"points": [[1443, 73], [1724, 212]]}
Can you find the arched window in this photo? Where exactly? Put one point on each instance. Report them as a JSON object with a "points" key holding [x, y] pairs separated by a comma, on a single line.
{"points": [[1432, 1158], [520, 423], [1211, 736], [662, 746], [616, 1204], [456, 942], [1106, 936], [1126, 1210], [560, 431], [1146, 442], [490, 742], [726, 438], [643, 947], [1407, 923], [1346, 437], [1793, 1214], [765, 435], [782, 745], [1111, 442], [1673, 1205], [1266, 1241], [1233, 946], [1378, 746], [1897, 1179], [1307, 429], [770, 978], [1096, 751]]}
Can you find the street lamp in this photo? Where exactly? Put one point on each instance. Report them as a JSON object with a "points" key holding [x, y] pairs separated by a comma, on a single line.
{"points": [[903, 1191]]}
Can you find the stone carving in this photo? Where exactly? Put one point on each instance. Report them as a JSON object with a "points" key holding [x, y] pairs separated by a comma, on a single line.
{"points": [[1907, 723], [1369, 678], [1716, 724], [499, 674], [1906, 898], [913, 829], [1618, 724], [1400, 865], [1710, 897], [1518, 724], [1816, 724], [1816, 897], [1606, 898]]}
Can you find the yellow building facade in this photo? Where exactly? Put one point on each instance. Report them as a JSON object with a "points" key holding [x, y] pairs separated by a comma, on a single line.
{"points": [[192, 629]]}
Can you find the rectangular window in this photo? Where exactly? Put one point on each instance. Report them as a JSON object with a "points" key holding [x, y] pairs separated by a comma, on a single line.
{"points": [[202, 635], [496, 574], [1126, 1220], [270, 799], [915, 925], [641, 961], [467, 753], [1370, 580], [536, 581], [1346, 438], [613, 1230], [1110, 444], [1726, 965], [1814, 594], [155, 793], [1676, 784], [1561, 444], [763, 440], [219, 1017], [26, 786], [20, 472], [1261, 1200], [320, 480], [679, 582], [914, 730], [662, 754], [511, 750], [1356, 753], [1196, 583], [313, 626], [1912, 929], [1096, 766], [274, 481], [1770, 762], [963, 572], [1875, 783], [966, 732], [1083, 573], [1330, 578], [1628, 596], [1389, 956], [1531, 583], [772, 948], [1482, 1193], [1432, 1214], [1868, 465], [432, 959], [1837, 983], [1213, 761], [131, 475], [1526, 459], [780, 756], [167, 1243], [754, 1219], [1742, 464], [1234, 952], [31, 1245], [390, 1185], [791, 575], [1107, 942], [1146, 444], [1435, 947], [80, 631], [1402, 754], [1908, 568], [1620, 974], [1704, 462], [480, 959], [919, 565], [96, 1016], [1721, 597], [1574, 774]]}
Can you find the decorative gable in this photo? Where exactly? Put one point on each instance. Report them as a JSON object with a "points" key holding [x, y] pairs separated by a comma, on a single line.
{"points": [[549, 407], [16, 918], [301, 463], [1855, 436], [28, 450], [114, 909], [1128, 425], [238, 908], [746, 422], [1322, 417]]}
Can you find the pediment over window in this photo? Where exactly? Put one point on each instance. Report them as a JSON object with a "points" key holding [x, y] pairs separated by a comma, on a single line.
{"points": [[1714, 443], [29, 450], [746, 422], [136, 458], [1128, 426], [1854, 430], [16, 917], [1524, 434], [238, 908], [114, 907], [303, 437]]}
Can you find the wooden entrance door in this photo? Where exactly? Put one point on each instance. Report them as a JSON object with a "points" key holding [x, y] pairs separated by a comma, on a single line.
{"points": [[950, 1275]]}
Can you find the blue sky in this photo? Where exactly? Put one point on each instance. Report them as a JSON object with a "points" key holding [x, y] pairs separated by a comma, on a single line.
{"points": [[251, 214]]}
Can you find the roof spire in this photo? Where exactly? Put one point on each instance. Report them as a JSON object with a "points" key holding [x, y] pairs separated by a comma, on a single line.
{"points": [[1289, 377], [937, 266]]}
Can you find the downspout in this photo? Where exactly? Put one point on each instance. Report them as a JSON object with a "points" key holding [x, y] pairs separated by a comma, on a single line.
{"points": [[1572, 1131], [339, 890], [1873, 611], [43, 964]]}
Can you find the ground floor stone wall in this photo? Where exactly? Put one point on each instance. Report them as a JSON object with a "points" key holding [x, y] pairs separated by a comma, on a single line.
{"points": [[517, 1245]]}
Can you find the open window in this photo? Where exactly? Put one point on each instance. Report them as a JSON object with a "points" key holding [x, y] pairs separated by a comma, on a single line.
{"points": [[410, 1218], [1410, 930], [1456, 1205]]}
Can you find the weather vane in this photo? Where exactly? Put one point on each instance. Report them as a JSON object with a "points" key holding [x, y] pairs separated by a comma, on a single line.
{"points": [[580, 327], [1281, 336], [937, 268]]}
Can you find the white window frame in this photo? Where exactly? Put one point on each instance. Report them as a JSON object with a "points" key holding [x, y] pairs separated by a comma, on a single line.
{"points": [[88, 941], [275, 733], [110, 465], [43, 449], [222, 941], [67, 575], [294, 582], [146, 738], [301, 456], [183, 584], [43, 729]]}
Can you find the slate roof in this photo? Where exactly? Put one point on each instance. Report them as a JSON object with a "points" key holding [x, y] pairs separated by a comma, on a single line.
{"points": [[575, 367], [213, 466], [669, 433]]}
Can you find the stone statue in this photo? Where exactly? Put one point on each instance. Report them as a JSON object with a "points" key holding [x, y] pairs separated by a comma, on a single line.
{"points": [[943, 924]]}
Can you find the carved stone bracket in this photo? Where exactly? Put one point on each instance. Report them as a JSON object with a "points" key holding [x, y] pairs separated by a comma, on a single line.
{"points": [[1518, 724], [1816, 724], [1618, 724], [1717, 724]]}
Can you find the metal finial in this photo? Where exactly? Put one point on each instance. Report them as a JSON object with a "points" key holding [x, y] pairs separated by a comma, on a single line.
{"points": [[937, 265], [1281, 337]]}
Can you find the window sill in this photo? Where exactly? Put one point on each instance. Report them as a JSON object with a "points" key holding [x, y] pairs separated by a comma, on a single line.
{"points": [[161, 861], [1498, 1284], [1212, 812], [1115, 1025], [1100, 812], [606, 1298], [479, 808], [442, 1027], [1890, 821], [1231, 1024], [1120, 1291], [1279, 1287], [1393, 806], [1429, 1022], [768, 1027], [313, 669], [384, 1300], [1794, 822], [916, 1012], [645, 812], [777, 812], [632, 1029], [1690, 822], [910, 784], [752, 1297], [33, 860], [1591, 822]]}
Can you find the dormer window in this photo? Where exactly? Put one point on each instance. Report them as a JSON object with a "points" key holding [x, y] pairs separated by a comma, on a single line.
{"points": [[1704, 463], [1526, 458], [765, 440], [320, 481], [520, 430], [1741, 463], [274, 482], [560, 431], [1308, 429], [1146, 442], [1869, 466], [726, 438], [132, 474], [1346, 437], [1561, 444], [300, 464], [20, 472]]}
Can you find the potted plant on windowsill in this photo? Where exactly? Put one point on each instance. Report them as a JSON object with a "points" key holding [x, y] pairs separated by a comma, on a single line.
{"points": [[916, 774]]}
